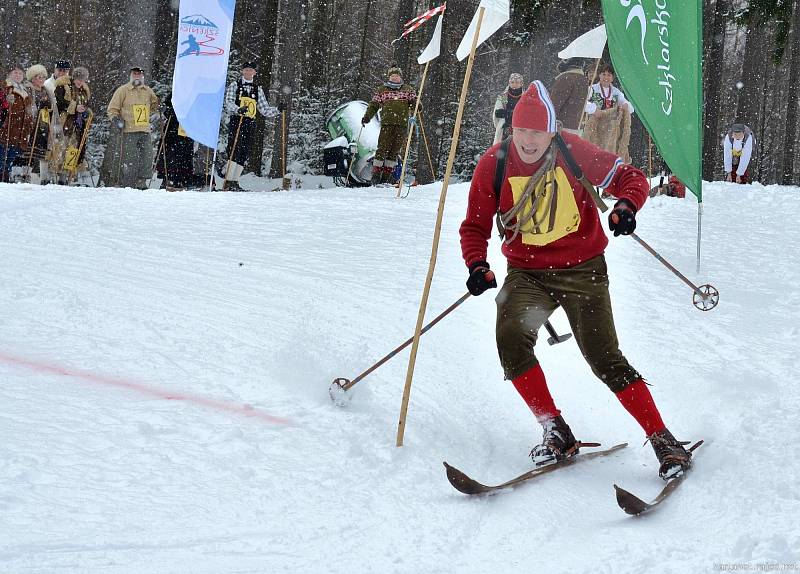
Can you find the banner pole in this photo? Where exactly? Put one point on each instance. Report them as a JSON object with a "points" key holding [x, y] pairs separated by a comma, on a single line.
{"points": [[401, 425], [411, 130]]}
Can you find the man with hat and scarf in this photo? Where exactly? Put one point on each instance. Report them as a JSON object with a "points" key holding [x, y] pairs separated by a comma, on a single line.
{"points": [[243, 99], [129, 162], [395, 100], [554, 243], [60, 69]]}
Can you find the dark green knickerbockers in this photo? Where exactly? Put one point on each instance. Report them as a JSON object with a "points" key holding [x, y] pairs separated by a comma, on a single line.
{"points": [[529, 297]]}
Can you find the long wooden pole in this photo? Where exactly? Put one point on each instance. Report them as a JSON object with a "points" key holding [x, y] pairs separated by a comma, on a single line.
{"points": [[649, 159], [233, 152], [411, 130], [33, 145], [87, 126], [401, 425], [583, 112]]}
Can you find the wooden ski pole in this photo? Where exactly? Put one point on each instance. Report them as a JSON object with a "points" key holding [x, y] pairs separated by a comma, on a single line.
{"points": [[5, 152], [164, 153], [82, 143], [33, 145], [583, 111], [121, 155], [401, 425], [162, 149], [285, 184], [411, 130], [346, 384], [233, 151], [207, 179], [427, 148]]}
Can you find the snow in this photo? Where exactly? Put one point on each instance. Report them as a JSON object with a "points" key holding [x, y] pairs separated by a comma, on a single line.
{"points": [[166, 359]]}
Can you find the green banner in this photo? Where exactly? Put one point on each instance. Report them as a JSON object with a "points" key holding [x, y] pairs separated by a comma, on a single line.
{"points": [[656, 47]]}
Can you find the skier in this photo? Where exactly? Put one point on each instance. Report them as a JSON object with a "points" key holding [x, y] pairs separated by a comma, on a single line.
{"points": [[47, 126], [72, 95], [504, 107], [554, 242], [128, 162], [243, 99], [569, 93], [395, 100], [608, 123], [19, 120], [737, 150]]}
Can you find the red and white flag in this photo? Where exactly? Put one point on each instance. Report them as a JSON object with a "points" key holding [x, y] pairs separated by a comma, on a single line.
{"points": [[418, 21]]}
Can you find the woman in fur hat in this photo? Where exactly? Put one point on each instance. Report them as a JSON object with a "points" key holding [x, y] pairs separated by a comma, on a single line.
{"points": [[73, 95], [46, 123], [19, 121]]}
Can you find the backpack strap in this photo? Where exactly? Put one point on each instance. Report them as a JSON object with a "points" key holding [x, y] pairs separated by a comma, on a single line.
{"points": [[499, 177], [578, 173]]}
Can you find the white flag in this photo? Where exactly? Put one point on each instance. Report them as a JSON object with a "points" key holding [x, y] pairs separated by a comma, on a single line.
{"points": [[434, 46], [495, 15], [201, 67], [589, 45]]}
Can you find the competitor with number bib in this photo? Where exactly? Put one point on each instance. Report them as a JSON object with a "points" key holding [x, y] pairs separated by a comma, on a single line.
{"points": [[128, 159], [554, 243], [243, 99]]}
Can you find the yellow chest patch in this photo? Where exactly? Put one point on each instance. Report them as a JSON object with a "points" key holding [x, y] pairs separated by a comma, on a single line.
{"points": [[556, 213]]}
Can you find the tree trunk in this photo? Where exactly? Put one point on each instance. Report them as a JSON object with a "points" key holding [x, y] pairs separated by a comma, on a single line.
{"points": [[713, 79], [265, 61], [402, 52], [787, 175], [289, 57]]}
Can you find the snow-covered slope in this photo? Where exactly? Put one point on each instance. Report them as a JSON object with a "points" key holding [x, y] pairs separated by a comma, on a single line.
{"points": [[165, 362]]}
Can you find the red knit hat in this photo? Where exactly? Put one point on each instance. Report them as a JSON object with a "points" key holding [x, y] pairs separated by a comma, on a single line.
{"points": [[534, 110]]}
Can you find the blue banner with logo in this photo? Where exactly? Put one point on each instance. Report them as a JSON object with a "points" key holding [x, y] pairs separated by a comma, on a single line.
{"points": [[201, 67]]}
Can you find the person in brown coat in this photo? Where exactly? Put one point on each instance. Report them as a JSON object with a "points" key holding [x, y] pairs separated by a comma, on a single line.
{"points": [[72, 95], [18, 124], [569, 93]]}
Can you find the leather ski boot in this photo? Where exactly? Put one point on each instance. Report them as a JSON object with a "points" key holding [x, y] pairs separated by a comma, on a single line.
{"points": [[558, 443], [672, 456]]}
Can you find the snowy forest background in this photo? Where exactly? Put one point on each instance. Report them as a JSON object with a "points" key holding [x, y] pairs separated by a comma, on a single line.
{"points": [[318, 54]]}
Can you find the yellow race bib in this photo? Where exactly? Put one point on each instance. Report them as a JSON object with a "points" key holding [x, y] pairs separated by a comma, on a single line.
{"points": [[251, 106], [44, 116], [71, 159], [181, 132], [556, 214], [141, 115]]}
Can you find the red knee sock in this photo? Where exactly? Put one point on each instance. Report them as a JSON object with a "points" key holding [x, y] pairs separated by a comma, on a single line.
{"points": [[638, 401], [532, 387]]}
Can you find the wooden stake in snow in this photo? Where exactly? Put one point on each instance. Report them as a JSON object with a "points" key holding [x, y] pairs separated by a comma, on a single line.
{"points": [[401, 426], [411, 130]]}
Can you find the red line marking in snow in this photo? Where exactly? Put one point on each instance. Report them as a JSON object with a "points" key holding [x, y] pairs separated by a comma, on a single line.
{"points": [[214, 404]]}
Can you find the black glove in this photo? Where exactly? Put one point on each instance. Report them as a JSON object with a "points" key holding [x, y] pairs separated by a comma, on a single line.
{"points": [[501, 113], [242, 111], [480, 278], [622, 219], [281, 106], [118, 123], [364, 121]]}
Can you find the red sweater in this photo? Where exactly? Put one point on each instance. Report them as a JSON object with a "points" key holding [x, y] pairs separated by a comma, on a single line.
{"points": [[577, 234]]}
